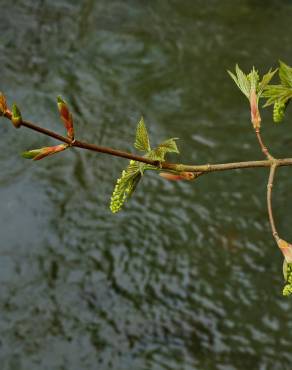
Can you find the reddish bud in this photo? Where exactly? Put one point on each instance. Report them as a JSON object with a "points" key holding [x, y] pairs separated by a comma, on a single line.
{"points": [[177, 177], [254, 110], [3, 104], [66, 117], [41, 153], [286, 249], [16, 116]]}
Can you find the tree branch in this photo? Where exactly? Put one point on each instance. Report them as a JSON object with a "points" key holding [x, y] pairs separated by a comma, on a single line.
{"points": [[164, 165]]}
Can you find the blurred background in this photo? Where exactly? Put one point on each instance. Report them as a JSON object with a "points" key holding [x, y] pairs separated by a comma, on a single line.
{"points": [[188, 275]]}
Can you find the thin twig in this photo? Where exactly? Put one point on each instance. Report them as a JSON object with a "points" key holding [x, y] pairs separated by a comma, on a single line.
{"points": [[273, 165], [262, 145], [269, 200]]}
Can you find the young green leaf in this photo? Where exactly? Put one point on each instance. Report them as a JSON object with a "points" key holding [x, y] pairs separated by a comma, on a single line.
{"points": [[241, 81], [265, 81], [167, 146], [277, 93], [253, 78], [142, 139], [285, 74], [280, 94]]}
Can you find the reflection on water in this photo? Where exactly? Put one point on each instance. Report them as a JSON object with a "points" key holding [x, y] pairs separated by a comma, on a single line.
{"points": [[187, 277]]}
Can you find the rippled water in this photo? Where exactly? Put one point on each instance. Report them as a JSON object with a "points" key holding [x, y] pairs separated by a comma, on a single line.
{"points": [[187, 276]]}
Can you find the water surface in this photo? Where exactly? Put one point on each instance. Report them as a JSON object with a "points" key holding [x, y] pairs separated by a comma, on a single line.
{"points": [[187, 276]]}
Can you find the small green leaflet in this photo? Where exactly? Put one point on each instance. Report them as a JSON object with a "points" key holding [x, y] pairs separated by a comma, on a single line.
{"points": [[167, 146], [253, 78], [277, 93], [285, 74], [265, 81], [280, 93], [241, 81], [142, 139]]}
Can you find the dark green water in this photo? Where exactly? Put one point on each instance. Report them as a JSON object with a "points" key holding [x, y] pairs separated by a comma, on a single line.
{"points": [[187, 276]]}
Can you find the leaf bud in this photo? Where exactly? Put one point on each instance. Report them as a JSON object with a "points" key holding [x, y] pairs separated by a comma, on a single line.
{"points": [[178, 176], [66, 117], [286, 249], [37, 154], [3, 104], [254, 110], [16, 116]]}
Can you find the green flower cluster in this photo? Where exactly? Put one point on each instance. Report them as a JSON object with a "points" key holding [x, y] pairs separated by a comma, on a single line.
{"points": [[287, 271], [125, 186], [279, 111], [118, 197]]}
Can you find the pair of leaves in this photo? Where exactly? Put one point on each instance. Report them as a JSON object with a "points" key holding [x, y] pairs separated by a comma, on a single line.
{"points": [[142, 143], [133, 173]]}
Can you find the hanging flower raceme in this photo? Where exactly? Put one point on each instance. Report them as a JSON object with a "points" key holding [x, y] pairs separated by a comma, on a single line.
{"points": [[125, 186], [286, 249], [287, 271], [279, 111]]}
